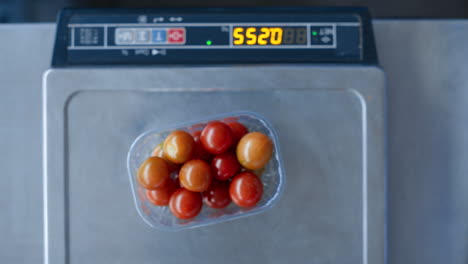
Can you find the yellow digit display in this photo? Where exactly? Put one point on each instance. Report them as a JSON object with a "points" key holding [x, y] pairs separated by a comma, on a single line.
{"points": [[251, 36], [257, 36], [238, 36], [276, 36], [265, 33]]}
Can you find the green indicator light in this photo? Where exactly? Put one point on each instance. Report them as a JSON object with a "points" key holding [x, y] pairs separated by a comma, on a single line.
{"points": [[314, 33], [208, 42]]}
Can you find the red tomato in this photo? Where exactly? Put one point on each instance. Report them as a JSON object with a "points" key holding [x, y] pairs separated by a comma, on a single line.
{"points": [[246, 189], [195, 176], [217, 196], [217, 137], [225, 166], [177, 180], [196, 135], [161, 195], [185, 204], [199, 151], [152, 173], [230, 119], [238, 130]]}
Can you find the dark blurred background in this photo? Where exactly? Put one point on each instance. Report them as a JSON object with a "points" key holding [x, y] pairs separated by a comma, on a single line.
{"points": [[46, 10]]}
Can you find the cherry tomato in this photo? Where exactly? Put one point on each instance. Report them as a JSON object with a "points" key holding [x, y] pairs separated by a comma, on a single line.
{"points": [[225, 166], [185, 204], [217, 196], [238, 130], [161, 195], [178, 146], [195, 176], [152, 173], [246, 189], [196, 135], [159, 152], [199, 151], [230, 119], [254, 150], [177, 181], [217, 137]]}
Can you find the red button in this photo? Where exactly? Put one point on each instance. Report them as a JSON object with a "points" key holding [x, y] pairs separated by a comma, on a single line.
{"points": [[176, 36]]}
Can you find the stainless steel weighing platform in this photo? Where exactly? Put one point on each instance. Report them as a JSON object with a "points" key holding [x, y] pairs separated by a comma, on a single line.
{"points": [[332, 136], [333, 207]]}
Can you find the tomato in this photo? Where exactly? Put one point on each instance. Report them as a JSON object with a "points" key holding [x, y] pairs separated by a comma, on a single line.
{"points": [[177, 180], [217, 137], [238, 130], [199, 151], [178, 146], [196, 135], [254, 150], [152, 173], [195, 175], [161, 195], [217, 196], [185, 204], [230, 119], [159, 152], [225, 166], [246, 189]]}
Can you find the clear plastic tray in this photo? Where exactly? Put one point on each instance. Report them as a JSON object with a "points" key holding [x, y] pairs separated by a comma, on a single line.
{"points": [[161, 218]]}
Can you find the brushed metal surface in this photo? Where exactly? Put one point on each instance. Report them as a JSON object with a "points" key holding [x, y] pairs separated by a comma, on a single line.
{"points": [[332, 134], [426, 65], [424, 61], [21, 68]]}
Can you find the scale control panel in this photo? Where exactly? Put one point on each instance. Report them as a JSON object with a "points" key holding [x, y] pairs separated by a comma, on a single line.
{"points": [[222, 36]]}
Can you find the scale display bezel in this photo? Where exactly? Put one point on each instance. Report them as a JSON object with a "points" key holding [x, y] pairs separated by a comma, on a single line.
{"points": [[127, 36]]}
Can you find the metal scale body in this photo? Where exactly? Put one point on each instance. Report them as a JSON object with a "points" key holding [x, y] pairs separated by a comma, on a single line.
{"points": [[325, 97]]}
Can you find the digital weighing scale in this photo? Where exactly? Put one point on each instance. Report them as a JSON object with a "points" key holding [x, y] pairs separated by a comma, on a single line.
{"points": [[312, 72]]}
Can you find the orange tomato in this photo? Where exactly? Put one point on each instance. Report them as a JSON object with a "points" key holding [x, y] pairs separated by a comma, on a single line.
{"points": [[254, 150], [159, 152], [178, 146], [153, 172], [195, 176]]}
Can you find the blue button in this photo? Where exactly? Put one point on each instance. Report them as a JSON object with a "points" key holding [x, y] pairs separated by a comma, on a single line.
{"points": [[159, 36]]}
